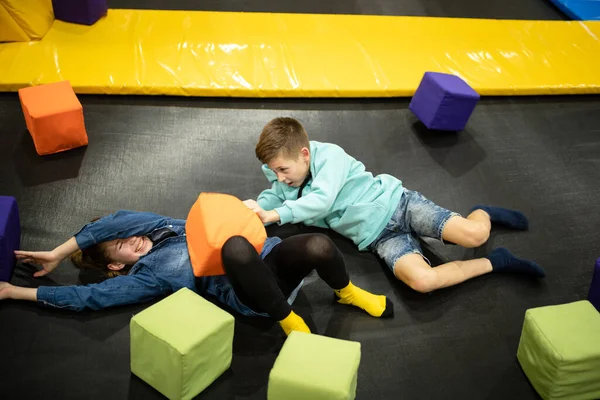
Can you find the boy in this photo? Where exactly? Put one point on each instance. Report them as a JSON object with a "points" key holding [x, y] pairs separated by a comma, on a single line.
{"points": [[319, 184]]}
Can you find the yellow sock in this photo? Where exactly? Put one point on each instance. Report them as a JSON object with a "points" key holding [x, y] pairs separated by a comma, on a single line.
{"points": [[293, 322], [376, 305]]}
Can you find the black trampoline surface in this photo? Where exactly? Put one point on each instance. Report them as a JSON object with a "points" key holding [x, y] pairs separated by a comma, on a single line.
{"points": [[500, 9], [539, 155]]}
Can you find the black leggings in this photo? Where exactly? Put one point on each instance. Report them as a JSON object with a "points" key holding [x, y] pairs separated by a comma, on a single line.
{"points": [[265, 285]]}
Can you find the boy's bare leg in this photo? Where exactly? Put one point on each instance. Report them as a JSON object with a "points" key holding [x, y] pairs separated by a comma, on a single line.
{"points": [[413, 270], [470, 232], [474, 230]]}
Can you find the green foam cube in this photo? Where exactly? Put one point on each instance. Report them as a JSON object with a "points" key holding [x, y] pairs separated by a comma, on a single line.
{"points": [[315, 367], [559, 350], [181, 344]]}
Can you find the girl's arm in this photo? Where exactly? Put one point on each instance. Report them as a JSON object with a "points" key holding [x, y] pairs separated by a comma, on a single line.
{"points": [[125, 289], [49, 260], [8, 291], [121, 290], [120, 225]]}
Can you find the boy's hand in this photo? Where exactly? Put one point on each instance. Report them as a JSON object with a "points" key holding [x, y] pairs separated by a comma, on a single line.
{"points": [[266, 217], [48, 260]]}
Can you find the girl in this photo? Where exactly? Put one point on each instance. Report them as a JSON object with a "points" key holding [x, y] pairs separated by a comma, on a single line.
{"points": [[146, 256]]}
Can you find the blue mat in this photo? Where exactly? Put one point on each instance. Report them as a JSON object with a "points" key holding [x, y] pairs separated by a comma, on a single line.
{"points": [[586, 10]]}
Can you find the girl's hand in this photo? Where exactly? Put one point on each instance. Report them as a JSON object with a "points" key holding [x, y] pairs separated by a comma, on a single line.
{"points": [[48, 260], [5, 289], [8, 291]]}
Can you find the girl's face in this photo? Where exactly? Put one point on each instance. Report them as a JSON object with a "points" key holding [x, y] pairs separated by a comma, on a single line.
{"points": [[127, 251]]}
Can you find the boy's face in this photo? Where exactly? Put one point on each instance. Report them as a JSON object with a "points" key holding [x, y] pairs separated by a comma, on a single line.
{"points": [[291, 171]]}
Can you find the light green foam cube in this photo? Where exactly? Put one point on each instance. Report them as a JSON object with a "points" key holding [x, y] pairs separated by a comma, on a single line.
{"points": [[315, 367], [181, 344], [559, 350]]}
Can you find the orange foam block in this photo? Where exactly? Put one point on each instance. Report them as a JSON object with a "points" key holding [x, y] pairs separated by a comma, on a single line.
{"points": [[54, 117], [213, 219]]}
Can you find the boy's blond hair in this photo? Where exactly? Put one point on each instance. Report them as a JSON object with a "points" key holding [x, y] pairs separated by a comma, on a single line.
{"points": [[281, 136]]}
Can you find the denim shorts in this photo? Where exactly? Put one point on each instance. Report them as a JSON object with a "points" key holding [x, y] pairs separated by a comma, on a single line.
{"points": [[415, 217]]}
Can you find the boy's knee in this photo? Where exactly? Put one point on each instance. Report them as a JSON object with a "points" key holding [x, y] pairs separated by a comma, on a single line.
{"points": [[424, 283], [476, 235]]}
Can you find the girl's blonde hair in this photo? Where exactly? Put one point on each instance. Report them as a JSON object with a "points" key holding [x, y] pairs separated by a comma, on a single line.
{"points": [[95, 258]]}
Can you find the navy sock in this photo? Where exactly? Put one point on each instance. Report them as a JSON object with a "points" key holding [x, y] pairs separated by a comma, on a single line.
{"points": [[503, 261], [503, 216]]}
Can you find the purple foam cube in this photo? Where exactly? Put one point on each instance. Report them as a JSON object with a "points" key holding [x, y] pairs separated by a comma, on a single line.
{"points": [[443, 102], [10, 236], [85, 12], [594, 293]]}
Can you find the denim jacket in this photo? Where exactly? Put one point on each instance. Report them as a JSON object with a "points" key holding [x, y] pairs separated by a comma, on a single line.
{"points": [[165, 269]]}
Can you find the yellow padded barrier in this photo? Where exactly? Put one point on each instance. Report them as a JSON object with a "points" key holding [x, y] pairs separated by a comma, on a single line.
{"points": [[295, 55], [34, 17], [10, 31]]}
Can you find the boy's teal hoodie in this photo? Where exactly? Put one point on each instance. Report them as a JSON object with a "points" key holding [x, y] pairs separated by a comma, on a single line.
{"points": [[341, 196]]}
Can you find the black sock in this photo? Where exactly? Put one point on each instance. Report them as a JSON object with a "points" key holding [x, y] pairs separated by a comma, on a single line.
{"points": [[503, 216], [503, 261]]}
